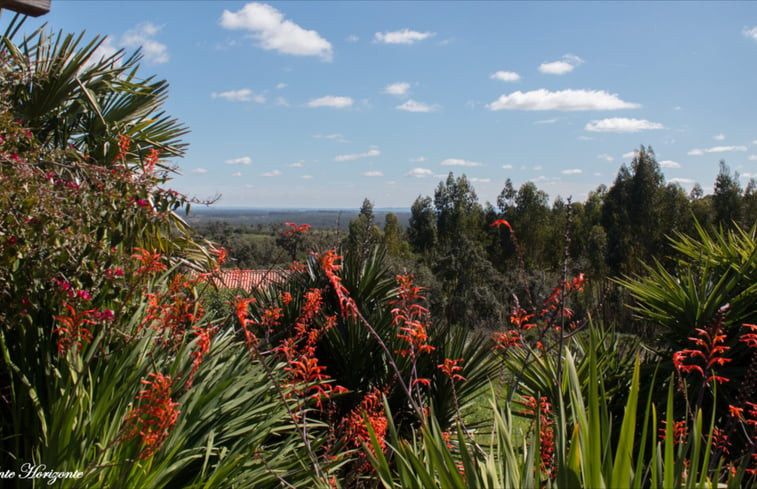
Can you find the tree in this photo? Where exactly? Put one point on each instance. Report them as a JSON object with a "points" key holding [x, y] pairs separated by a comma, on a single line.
{"points": [[726, 199], [395, 244], [632, 215], [458, 212], [422, 233], [363, 234]]}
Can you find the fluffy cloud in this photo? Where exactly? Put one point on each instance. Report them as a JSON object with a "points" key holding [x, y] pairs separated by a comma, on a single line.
{"points": [[419, 173], [622, 124], [414, 106], [572, 171], [272, 173], [244, 160], [505, 76], [331, 101], [716, 149], [566, 100], [565, 65], [276, 34], [670, 164], [460, 162], [606, 157], [751, 33], [399, 88], [681, 180], [507, 167], [373, 174], [404, 36], [199, 170], [480, 180], [546, 121], [355, 156], [418, 159], [141, 37], [242, 95], [630, 154], [719, 137]]}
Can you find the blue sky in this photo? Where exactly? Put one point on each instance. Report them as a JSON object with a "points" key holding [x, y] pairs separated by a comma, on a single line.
{"points": [[321, 104]]}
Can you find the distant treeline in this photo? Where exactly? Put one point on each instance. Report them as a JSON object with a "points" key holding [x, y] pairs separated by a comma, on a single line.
{"points": [[479, 261]]}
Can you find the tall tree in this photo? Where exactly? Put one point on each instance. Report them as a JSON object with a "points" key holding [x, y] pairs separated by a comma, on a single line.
{"points": [[363, 233], [726, 199], [421, 231]]}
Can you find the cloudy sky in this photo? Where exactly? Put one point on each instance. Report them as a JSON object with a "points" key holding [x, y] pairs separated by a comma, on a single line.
{"points": [[320, 104]]}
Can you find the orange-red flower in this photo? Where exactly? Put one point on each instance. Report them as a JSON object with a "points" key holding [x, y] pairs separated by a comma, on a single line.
{"points": [[450, 366], [502, 222], [154, 415]]}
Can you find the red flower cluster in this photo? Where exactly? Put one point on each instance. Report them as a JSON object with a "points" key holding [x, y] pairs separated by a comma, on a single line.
{"points": [[354, 428], [710, 343], [154, 416], [449, 367], [543, 409], [412, 318], [73, 330], [328, 262]]}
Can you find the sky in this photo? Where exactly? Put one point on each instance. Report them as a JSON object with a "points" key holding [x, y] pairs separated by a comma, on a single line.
{"points": [[322, 104]]}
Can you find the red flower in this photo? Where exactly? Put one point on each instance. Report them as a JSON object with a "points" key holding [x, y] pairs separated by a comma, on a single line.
{"points": [[502, 222], [449, 367], [156, 413]]}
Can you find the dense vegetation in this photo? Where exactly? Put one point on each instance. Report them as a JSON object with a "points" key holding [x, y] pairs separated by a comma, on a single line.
{"points": [[519, 364]]}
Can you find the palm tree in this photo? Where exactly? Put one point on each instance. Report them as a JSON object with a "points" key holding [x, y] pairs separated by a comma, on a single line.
{"points": [[69, 93]]}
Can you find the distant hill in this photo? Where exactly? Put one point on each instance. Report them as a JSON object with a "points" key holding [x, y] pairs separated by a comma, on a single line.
{"points": [[319, 218]]}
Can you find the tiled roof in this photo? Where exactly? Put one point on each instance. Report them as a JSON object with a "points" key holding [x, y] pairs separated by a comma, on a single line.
{"points": [[246, 279]]}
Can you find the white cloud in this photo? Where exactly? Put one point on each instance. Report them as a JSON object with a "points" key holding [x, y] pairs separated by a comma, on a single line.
{"points": [[670, 164], [480, 180], [355, 156], [199, 170], [333, 137], [141, 37], [507, 167], [276, 34], [505, 76], [281, 101], [307, 177], [399, 88], [419, 173], [630, 154], [751, 33], [752, 157], [546, 121], [565, 65], [719, 137], [236, 174], [373, 174], [572, 171], [272, 173], [419, 159], [567, 100], [681, 180], [725, 149], [244, 160], [606, 157], [331, 101], [296, 164], [537, 168], [716, 149], [352, 38], [281, 85], [460, 162], [622, 124], [242, 95], [413, 106], [404, 36]]}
